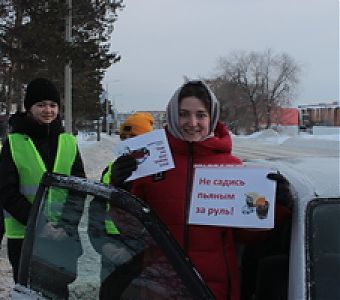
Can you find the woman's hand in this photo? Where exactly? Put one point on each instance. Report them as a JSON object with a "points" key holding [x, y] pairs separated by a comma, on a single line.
{"points": [[283, 194]]}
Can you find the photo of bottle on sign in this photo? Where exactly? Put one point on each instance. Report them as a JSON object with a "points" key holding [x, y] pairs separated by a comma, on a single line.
{"points": [[256, 203]]}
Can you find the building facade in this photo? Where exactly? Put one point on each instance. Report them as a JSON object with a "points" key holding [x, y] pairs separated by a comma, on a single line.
{"points": [[323, 114]]}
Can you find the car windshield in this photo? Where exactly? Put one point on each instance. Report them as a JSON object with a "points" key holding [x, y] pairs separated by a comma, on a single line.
{"points": [[323, 253], [90, 243]]}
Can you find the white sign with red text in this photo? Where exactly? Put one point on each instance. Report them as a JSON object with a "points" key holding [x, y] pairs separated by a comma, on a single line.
{"points": [[236, 196], [151, 151]]}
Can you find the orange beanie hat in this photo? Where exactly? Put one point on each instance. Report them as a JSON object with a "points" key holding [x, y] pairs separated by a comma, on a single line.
{"points": [[137, 123]]}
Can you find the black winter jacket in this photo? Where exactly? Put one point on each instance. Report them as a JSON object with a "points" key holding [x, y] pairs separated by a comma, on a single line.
{"points": [[45, 139]]}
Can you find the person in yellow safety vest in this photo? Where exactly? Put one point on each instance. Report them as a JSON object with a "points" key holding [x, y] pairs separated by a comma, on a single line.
{"points": [[36, 143], [115, 174]]}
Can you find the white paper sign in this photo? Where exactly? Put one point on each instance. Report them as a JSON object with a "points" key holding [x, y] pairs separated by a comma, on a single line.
{"points": [[233, 196], [151, 151]]}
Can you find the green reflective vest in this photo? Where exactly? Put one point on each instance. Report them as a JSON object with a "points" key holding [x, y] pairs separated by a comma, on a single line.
{"points": [[31, 167], [109, 225]]}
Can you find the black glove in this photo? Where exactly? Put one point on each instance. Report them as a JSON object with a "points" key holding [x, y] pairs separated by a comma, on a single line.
{"points": [[121, 169], [283, 194]]}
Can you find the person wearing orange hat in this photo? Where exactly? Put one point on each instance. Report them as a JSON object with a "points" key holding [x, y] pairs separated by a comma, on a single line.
{"points": [[116, 173], [114, 282], [136, 124]]}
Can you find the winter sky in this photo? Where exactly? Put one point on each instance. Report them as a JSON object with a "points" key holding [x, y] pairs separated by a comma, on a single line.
{"points": [[161, 41]]}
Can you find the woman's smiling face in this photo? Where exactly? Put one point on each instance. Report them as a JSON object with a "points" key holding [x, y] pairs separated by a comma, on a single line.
{"points": [[194, 119], [45, 111]]}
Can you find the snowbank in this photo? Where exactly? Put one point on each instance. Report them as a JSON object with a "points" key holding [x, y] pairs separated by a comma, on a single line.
{"points": [[303, 140]]}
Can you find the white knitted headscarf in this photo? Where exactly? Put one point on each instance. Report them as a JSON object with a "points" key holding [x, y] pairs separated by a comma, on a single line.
{"points": [[172, 112]]}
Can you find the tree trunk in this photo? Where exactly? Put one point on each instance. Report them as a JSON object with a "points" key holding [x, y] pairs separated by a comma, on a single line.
{"points": [[268, 116], [256, 117]]}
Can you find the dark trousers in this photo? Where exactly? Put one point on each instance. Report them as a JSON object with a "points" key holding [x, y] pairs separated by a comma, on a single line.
{"points": [[14, 252]]}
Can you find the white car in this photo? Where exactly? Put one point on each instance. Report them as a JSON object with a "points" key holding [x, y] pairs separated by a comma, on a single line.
{"points": [[310, 269]]}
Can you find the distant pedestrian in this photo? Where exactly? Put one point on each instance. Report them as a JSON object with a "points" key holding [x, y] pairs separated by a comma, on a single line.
{"points": [[36, 143]]}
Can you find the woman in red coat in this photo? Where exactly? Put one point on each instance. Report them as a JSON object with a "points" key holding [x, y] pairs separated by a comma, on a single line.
{"points": [[196, 137]]}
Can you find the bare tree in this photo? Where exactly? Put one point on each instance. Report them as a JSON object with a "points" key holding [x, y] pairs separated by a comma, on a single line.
{"points": [[280, 76], [235, 110], [267, 80]]}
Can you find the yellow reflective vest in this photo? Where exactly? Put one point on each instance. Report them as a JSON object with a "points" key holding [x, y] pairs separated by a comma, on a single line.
{"points": [[109, 225], [31, 167]]}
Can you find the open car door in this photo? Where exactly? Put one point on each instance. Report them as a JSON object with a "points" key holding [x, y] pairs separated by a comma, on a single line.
{"points": [[93, 237]]}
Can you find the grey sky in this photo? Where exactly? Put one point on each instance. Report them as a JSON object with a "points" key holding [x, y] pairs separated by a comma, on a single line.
{"points": [[162, 40]]}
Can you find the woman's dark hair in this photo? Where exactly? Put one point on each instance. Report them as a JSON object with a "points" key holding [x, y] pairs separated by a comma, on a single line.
{"points": [[198, 90]]}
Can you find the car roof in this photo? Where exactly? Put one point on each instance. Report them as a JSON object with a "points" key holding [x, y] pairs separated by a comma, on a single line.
{"points": [[309, 177]]}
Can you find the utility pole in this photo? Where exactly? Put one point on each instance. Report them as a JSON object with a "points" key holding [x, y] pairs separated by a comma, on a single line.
{"points": [[68, 72], [107, 110]]}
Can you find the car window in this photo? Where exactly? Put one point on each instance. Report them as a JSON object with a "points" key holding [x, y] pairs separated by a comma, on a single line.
{"points": [[323, 251], [88, 240]]}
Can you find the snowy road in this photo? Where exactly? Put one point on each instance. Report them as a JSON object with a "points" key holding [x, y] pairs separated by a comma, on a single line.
{"points": [[272, 146]]}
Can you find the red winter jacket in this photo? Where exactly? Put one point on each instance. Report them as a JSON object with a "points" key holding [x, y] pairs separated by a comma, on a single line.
{"points": [[210, 249]]}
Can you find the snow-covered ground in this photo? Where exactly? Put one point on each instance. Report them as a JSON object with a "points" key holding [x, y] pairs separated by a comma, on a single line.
{"points": [[96, 155], [270, 136]]}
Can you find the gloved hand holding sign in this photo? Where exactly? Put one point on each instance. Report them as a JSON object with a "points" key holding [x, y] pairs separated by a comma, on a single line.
{"points": [[283, 194], [122, 169]]}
